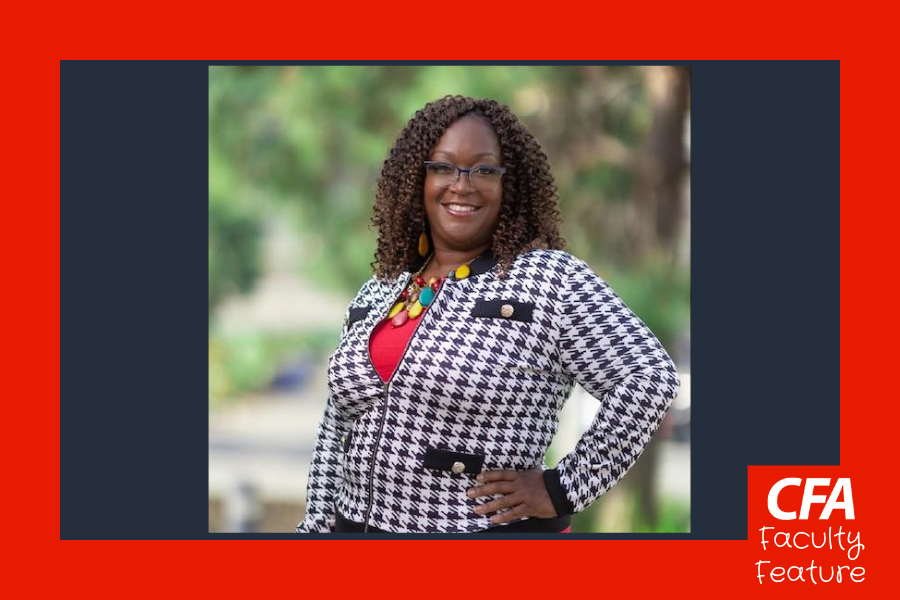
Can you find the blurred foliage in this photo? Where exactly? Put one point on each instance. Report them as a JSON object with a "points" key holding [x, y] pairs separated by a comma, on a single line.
{"points": [[306, 143], [234, 251], [675, 517], [241, 363]]}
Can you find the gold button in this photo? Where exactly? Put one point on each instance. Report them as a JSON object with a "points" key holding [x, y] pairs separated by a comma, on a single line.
{"points": [[507, 310], [458, 467]]}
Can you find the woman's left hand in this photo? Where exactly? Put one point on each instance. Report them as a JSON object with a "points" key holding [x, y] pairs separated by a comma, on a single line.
{"points": [[524, 495]]}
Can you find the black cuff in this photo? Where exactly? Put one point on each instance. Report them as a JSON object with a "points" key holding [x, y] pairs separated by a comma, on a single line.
{"points": [[557, 493]]}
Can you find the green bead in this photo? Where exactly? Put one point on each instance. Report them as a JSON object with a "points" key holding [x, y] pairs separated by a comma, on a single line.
{"points": [[426, 296]]}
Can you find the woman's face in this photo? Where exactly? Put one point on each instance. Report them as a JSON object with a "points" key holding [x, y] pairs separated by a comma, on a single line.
{"points": [[461, 216]]}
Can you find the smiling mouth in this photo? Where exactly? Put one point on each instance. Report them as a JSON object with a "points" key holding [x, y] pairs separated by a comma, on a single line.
{"points": [[461, 209]]}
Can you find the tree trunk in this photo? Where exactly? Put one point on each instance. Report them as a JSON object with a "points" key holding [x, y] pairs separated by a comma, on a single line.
{"points": [[659, 200], [660, 212]]}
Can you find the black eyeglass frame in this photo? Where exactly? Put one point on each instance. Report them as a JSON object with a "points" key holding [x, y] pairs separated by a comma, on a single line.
{"points": [[460, 170]]}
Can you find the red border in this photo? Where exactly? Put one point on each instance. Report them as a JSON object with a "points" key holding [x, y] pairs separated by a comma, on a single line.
{"points": [[446, 569]]}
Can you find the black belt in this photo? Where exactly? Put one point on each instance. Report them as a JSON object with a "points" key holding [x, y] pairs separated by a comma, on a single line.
{"points": [[552, 525]]}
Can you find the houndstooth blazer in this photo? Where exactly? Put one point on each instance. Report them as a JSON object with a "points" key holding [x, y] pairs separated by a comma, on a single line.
{"points": [[480, 386]]}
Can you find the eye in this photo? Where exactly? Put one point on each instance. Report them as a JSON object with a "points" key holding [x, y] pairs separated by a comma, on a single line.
{"points": [[486, 171], [441, 169]]}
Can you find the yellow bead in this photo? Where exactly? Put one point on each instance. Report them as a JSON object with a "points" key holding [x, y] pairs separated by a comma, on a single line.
{"points": [[415, 310], [397, 308], [462, 271]]}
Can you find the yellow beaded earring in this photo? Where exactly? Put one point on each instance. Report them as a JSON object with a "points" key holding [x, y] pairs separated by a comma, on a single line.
{"points": [[423, 245]]}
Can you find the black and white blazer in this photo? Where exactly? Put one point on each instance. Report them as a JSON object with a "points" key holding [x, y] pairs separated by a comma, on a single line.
{"points": [[480, 386]]}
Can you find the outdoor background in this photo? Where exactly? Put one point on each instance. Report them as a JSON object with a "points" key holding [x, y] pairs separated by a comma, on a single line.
{"points": [[294, 154]]}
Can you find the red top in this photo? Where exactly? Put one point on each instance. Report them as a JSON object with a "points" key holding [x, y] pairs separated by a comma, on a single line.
{"points": [[387, 344]]}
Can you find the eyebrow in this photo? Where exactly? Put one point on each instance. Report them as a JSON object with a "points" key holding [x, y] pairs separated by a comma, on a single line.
{"points": [[453, 156]]}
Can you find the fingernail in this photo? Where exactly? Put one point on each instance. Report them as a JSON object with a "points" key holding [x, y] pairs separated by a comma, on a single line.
{"points": [[470, 493], [480, 478], [478, 510]]}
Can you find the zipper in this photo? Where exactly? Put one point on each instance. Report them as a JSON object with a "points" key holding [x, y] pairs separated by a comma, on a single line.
{"points": [[386, 390], [374, 456]]}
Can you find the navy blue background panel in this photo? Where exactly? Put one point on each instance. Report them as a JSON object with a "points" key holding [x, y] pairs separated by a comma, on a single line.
{"points": [[765, 160]]}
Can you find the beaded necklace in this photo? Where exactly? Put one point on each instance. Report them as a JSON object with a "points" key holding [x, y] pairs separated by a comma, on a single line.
{"points": [[419, 294]]}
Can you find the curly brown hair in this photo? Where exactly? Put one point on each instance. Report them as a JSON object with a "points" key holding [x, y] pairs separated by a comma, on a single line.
{"points": [[529, 216]]}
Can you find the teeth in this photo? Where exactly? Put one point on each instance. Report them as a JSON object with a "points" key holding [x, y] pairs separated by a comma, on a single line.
{"points": [[460, 208]]}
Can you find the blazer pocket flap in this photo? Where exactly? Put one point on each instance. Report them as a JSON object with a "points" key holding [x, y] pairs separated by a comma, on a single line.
{"points": [[357, 313], [455, 462], [504, 309]]}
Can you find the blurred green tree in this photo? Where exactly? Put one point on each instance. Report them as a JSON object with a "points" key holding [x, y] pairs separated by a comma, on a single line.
{"points": [[234, 251], [306, 143]]}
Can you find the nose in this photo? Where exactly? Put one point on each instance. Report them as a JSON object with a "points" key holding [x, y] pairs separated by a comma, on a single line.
{"points": [[462, 181]]}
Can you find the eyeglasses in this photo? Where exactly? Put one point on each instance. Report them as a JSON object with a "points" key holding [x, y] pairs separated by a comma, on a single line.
{"points": [[482, 177]]}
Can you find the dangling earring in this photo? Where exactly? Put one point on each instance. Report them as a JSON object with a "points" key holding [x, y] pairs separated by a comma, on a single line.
{"points": [[423, 245]]}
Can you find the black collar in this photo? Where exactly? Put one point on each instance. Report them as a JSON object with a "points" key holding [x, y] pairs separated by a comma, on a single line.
{"points": [[481, 264]]}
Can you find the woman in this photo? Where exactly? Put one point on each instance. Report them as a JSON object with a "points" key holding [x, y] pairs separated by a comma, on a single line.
{"points": [[458, 354]]}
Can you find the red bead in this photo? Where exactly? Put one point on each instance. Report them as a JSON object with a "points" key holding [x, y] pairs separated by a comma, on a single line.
{"points": [[420, 281], [435, 285], [404, 295], [400, 319]]}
